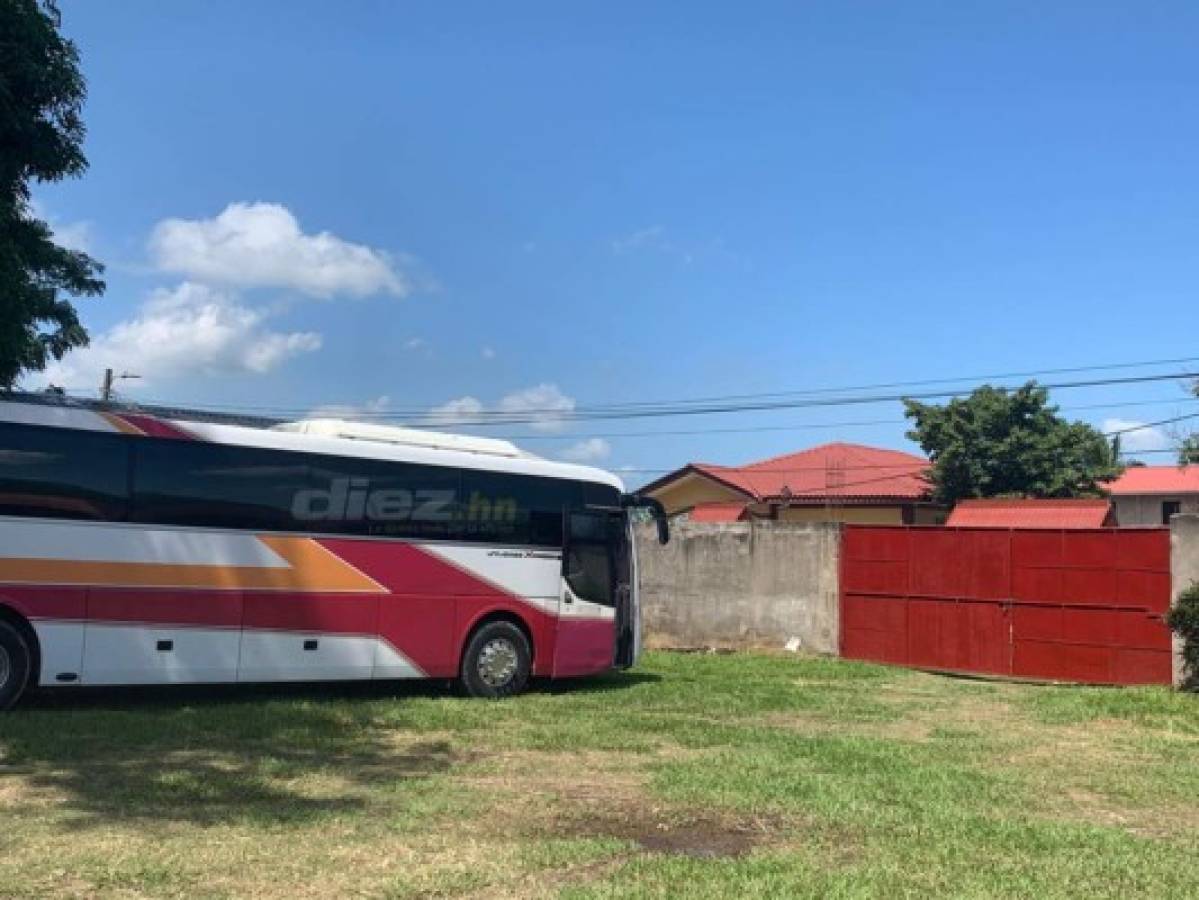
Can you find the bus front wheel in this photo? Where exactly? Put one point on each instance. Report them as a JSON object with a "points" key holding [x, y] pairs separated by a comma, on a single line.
{"points": [[497, 662], [14, 665]]}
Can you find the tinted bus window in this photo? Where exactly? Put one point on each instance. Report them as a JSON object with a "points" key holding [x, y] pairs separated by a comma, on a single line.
{"points": [[195, 483], [589, 557], [600, 495], [63, 474], [387, 499], [516, 509]]}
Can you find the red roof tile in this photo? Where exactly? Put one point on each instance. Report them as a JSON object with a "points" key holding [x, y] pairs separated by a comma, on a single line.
{"points": [[717, 512], [831, 470], [1018, 513], [1156, 480]]}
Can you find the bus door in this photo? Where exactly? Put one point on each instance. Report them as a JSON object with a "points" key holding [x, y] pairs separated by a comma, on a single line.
{"points": [[628, 622], [594, 608]]}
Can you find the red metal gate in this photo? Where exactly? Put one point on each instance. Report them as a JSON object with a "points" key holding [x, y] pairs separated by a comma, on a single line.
{"points": [[1076, 605]]}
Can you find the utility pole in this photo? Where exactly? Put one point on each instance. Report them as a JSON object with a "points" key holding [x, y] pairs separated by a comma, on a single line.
{"points": [[106, 385]]}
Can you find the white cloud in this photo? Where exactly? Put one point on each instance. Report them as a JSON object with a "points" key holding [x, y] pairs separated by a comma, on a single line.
{"points": [[455, 412], [261, 245], [591, 450], [544, 405], [369, 409], [656, 239], [191, 329], [415, 343], [653, 236], [487, 353], [72, 235], [1138, 441]]}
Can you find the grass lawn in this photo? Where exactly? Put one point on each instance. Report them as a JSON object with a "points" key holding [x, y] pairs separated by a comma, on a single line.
{"points": [[694, 775]]}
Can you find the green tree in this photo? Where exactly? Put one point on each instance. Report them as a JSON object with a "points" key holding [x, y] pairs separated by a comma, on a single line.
{"points": [[1188, 448], [1188, 451], [1001, 443], [41, 140]]}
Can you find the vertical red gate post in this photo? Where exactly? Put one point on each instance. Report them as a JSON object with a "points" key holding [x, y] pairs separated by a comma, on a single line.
{"points": [[1072, 605]]}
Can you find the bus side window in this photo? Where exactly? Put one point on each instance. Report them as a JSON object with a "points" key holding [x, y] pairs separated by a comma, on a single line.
{"points": [[588, 560], [216, 485], [61, 474], [504, 507], [383, 498]]}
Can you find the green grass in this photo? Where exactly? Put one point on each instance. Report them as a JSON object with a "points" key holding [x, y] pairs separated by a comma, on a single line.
{"points": [[695, 775]]}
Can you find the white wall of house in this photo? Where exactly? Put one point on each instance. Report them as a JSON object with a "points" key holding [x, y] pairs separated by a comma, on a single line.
{"points": [[1147, 509]]}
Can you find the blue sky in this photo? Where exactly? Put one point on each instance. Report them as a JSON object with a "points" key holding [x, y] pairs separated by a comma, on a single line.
{"points": [[529, 205]]}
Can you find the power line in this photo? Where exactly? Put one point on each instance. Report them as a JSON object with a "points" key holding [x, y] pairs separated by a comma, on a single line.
{"points": [[743, 470], [930, 381], [1145, 425], [650, 405], [489, 419], [575, 436], [717, 409]]}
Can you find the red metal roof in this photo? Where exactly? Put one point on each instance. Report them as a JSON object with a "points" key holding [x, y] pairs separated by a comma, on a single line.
{"points": [[1156, 480], [717, 512], [839, 471], [1019, 513]]}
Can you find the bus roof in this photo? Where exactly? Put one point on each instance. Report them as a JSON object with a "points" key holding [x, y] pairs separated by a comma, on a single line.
{"points": [[330, 437]]}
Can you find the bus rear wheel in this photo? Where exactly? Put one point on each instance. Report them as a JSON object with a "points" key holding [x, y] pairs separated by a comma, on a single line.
{"points": [[497, 662], [14, 665]]}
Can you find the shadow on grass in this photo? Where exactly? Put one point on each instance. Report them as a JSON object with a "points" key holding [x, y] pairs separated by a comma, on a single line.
{"points": [[146, 697], [175, 696], [601, 684], [216, 755], [234, 753]]}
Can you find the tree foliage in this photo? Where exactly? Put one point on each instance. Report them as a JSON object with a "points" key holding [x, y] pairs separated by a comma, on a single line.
{"points": [[1183, 620], [41, 140], [1188, 447], [1188, 451], [1001, 443]]}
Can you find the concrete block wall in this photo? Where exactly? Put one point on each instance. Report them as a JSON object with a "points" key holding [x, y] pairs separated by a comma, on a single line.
{"points": [[741, 585]]}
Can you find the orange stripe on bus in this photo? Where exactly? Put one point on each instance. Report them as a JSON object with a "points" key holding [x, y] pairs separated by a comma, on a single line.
{"points": [[120, 424], [312, 569]]}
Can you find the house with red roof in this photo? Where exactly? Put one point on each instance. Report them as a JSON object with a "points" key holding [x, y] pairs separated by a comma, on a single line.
{"points": [[1032, 513], [833, 482], [1149, 495]]}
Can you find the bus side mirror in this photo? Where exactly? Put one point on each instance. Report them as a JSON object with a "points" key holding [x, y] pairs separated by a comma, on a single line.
{"points": [[656, 509]]}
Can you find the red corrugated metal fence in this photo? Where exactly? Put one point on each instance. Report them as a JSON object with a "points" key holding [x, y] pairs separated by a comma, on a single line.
{"points": [[1076, 605]]}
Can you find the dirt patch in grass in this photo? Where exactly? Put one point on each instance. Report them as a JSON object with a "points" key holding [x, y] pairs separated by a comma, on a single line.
{"points": [[700, 838], [604, 796]]}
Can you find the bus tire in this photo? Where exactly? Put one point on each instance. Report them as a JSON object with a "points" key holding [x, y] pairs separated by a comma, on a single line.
{"points": [[497, 662], [15, 662]]}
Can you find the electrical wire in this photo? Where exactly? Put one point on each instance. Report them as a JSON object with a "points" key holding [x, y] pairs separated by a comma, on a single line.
{"points": [[650, 405]]}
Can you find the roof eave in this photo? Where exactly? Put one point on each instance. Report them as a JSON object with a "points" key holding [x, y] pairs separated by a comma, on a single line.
{"points": [[695, 469]]}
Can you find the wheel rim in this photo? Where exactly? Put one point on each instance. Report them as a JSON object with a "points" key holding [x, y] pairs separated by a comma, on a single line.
{"points": [[497, 662], [5, 667]]}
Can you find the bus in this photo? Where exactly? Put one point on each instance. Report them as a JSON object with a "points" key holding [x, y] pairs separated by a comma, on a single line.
{"points": [[140, 549]]}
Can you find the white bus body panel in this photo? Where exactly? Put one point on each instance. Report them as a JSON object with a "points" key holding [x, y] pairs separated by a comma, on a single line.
{"points": [[280, 656], [61, 646], [129, 654]]}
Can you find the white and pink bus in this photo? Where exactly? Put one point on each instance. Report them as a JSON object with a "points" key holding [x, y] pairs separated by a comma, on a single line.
{"points": [[138, 549]]}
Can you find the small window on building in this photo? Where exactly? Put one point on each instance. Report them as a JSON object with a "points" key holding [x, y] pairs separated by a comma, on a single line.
{"points": [[1170, 508]]}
